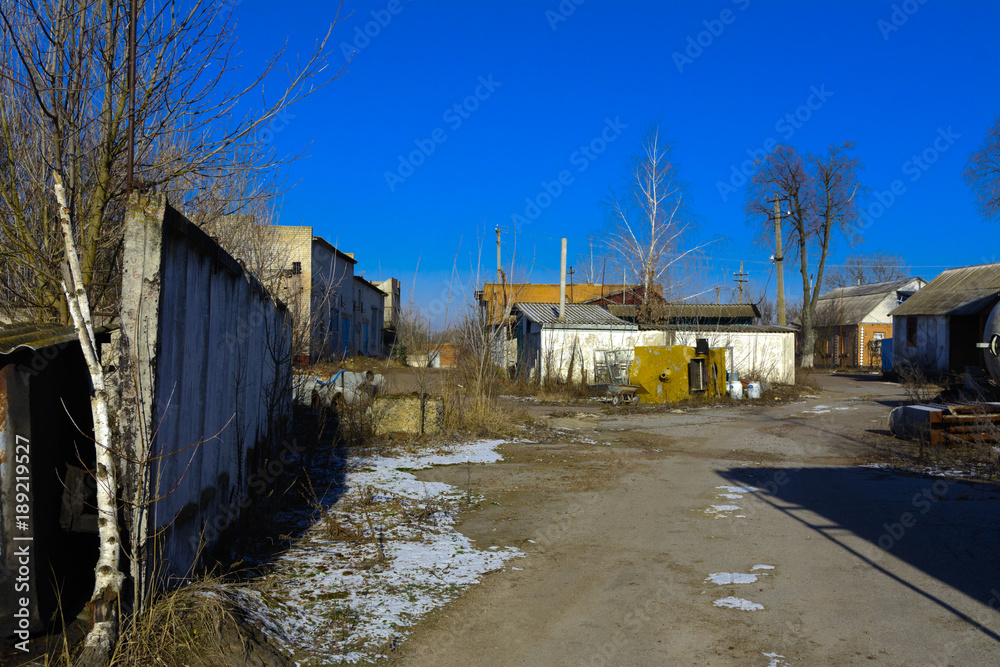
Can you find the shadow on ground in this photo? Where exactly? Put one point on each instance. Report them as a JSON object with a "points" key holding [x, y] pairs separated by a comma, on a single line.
{"points": [[949, 529]]}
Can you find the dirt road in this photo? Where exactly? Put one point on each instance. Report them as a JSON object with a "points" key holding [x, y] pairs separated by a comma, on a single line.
{"points": [[637, 525]]}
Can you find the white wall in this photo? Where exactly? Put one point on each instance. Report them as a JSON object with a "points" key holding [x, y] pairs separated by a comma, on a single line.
{"points": [[769, 356], [931, 351], [561, 348]]}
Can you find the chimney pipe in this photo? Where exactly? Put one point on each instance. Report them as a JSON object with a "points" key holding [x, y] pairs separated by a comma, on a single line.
{"points": [[562, 283]]}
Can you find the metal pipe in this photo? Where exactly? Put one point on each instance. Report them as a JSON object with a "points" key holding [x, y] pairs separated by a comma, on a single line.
{"points": [[562, 283]]}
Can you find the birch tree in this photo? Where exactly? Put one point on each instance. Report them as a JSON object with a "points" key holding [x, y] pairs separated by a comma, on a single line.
{"points": [[823, 193], [107, 575], [648, 217]]}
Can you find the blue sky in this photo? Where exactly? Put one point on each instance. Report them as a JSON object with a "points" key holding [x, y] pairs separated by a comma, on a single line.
{"points": [[538, 82]]}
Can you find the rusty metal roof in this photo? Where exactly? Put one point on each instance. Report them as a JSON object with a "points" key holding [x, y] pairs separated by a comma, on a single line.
{"points": [[689, 311], [962, 291], [577, 314], [32, 336]]}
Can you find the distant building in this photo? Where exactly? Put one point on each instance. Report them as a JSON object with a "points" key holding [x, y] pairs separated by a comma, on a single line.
{"points": [[393, 310], [703, 314], [336, 313], [369, 317], [494, 298], [848, 319]]}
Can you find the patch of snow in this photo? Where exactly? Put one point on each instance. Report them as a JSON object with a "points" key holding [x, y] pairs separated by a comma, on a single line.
{"points": [[715, 509], [761, 567], [739, 489], [776, 659], [722, 578], [731, 496], [382, 556], [733, 602]]}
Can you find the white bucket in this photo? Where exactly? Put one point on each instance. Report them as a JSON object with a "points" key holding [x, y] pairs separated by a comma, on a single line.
{"points": [[753, 390], [735, 389]]}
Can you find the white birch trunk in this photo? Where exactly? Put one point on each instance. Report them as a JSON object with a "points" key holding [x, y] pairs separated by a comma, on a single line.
{"points": [[107, 577]]}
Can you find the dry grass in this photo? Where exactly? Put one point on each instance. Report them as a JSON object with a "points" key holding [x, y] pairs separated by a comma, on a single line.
{"points": [[200, 625]]}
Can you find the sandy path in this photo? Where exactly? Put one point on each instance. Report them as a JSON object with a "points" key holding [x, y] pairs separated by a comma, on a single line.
{"points": [[869, 567]]}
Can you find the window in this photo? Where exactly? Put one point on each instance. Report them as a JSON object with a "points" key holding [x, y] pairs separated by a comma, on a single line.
{"points": [[878, 335], [911, 331], [296, 268]]}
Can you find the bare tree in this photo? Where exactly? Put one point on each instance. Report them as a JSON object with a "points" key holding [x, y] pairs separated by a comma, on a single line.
{"points": [[66, 110], [649, 220], [108, 576], [878, 267], [823, 198], [768, 309], [982, 172]]}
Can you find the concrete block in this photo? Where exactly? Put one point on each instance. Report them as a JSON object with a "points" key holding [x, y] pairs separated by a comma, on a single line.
{"points": [[416, 415]]}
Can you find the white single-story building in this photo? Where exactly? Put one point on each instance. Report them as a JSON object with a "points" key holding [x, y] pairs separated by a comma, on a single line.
{"points": [[550, 348], [937, 329]]}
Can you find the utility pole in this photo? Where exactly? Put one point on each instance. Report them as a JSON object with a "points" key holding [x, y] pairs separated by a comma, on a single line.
{"points": [[499, 269], [739, 280], [779, 266], [130, 167]]}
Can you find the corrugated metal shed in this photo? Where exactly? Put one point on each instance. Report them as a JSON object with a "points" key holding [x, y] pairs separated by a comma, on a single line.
{"points": [[577, 314], [690, 311], [962, 291], [852, 305], [32, 336]]}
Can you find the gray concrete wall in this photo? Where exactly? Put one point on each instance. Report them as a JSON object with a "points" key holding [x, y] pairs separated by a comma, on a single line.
{"points": [[332, 303], [204, 381], [370, 317]]}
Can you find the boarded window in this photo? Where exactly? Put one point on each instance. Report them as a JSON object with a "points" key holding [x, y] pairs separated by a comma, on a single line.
{"points": [[911, 331]]}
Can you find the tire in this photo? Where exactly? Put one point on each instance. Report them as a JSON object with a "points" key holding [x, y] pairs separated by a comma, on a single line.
{"points": [[635, 400], [616, 399]]}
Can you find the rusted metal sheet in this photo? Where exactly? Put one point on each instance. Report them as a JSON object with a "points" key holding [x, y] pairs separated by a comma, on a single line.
{"points": [[18, 560]]}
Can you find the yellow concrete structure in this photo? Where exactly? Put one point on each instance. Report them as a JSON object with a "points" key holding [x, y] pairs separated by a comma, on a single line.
{"points": [[673, 373]]}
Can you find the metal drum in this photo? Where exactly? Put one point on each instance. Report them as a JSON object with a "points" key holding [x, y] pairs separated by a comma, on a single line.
{"points": [[991, 341]]}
